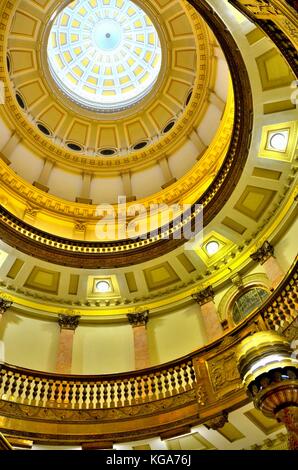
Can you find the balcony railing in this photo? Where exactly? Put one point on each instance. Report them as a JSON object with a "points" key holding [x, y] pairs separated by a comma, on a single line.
{"points": [[90, 392], [171, 397]]}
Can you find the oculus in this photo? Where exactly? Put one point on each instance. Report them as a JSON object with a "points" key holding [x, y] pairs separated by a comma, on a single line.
{"points": [[104, 54]]}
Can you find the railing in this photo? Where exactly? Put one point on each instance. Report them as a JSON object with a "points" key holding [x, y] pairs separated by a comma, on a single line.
{"points": [[170, 397], [89, 392], [280, 309]]}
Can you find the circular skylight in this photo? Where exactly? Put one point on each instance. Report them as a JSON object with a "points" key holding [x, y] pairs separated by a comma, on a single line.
{"points": [[104, 54]]}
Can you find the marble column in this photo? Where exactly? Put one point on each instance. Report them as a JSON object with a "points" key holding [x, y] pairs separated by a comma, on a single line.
{"points": [[265, 256], [205, 299], [4, 306], [138, 322], [68, 325]]}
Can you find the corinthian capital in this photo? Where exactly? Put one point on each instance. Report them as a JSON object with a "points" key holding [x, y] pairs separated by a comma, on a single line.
{"points": [[4, 305], [68, 322], [263, 253], [138, 319], [204, 296]]}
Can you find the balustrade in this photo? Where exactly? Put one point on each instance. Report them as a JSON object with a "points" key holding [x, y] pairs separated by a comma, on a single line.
{"points": [[88, 392]]}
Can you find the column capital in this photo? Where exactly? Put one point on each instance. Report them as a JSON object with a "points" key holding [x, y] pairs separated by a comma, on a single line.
{"points": [[139, 318], [263, 253], [4, 305], [68, 322], [204, 296]]}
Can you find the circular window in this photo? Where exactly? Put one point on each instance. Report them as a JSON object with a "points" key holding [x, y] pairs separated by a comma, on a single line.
{"points": [[278, 141], [212, 248], [247, 302], [103, 286], [105, 55]]}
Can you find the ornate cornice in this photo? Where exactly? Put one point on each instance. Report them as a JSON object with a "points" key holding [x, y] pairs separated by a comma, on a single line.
{"points": [[218, 422], [4, 305], [138, 319], [68, 322], [204, 296], [119, 254], [263, 253], [278, 19]]}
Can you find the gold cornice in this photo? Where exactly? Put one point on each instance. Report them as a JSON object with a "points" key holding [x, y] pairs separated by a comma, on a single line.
{"points": [[187, 189], [218, 278]]}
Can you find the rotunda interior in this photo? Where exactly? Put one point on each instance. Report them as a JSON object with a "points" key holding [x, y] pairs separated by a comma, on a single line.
{"points": [[148, 201]]}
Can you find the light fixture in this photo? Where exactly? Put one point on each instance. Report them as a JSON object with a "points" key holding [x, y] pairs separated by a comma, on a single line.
{"points": [[278, 141], [212, 248], [103, 287]]}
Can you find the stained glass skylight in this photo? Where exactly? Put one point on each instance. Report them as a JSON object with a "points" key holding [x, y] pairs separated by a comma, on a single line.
{"points": [[104, 54]]}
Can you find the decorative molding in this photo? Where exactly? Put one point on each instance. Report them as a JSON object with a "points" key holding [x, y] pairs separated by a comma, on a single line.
{"points": [[138, 319], [212, 200], [218, 422], [204, 296], [237, 281], [263, 253], [68, 322]]}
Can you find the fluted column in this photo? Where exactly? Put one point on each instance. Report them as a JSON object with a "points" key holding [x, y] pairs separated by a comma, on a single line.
{"points": [[68, 325], [9, 148], [265, 256], [217, 101], [84, 197], [4, 306], [205, 299], [42, 182], [166, 171], [197, 141], [138, 322], [126, 180]]}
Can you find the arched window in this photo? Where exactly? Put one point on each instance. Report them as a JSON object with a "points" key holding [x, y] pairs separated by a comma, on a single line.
{"points": [[248, 301]]}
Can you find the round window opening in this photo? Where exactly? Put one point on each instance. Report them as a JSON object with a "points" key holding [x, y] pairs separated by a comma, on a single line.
{"points": [[103, 287], [104, 55]]}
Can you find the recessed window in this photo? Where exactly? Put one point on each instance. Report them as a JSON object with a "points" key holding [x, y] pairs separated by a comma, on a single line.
{"points": [[103, 287], [140, 145], [168, 127], [20, 101], [8, 63], [105, 55], [247, 302], [107, 152], [212, 248], [73, 146], [188, 97], [278, 141], [43, 128]]}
